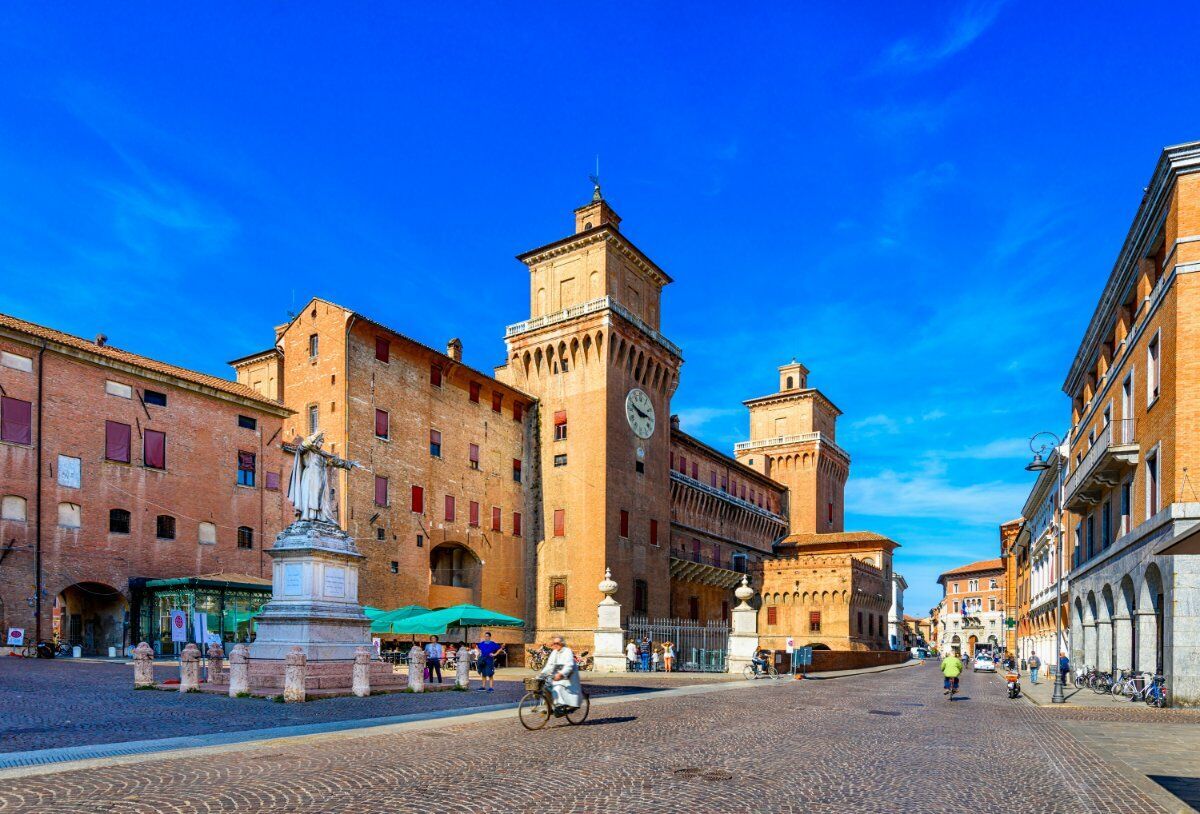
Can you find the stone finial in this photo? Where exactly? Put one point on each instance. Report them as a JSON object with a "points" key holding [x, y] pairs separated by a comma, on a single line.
{"points": [[189, 668], [295, 672], [143, 666], [608, 586], [744, 592], [361, 678], [239, 670]]}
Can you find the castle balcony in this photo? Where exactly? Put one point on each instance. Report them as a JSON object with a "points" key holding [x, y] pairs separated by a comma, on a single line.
{"points": [[704, 571], [1112, 456], [584, 309], [785, 440]]}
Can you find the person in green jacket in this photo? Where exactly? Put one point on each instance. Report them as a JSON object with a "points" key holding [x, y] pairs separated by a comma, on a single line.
{"points": [[952, 668]]}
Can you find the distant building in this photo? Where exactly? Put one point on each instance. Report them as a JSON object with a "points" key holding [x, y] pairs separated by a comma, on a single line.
{"points": [[971, 613], [898, 631]]}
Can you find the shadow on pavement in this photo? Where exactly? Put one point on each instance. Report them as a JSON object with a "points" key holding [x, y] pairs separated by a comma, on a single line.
{"points": [[615, 719], [1185, 788]]}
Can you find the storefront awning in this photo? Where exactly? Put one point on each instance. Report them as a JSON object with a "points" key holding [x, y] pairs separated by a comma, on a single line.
{"points": [[236, 582]]}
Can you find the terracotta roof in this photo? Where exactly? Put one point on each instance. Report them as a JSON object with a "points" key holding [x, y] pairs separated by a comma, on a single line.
{"points": [[983, 565], [816, 538], [133, 359]]}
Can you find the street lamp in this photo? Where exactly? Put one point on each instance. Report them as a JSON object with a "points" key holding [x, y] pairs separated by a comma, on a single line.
{"points": [[1038, 445]]}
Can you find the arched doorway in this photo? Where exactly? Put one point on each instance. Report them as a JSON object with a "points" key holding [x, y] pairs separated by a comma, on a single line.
{"points": [[454, 575], [956, 644], [92, 615]]}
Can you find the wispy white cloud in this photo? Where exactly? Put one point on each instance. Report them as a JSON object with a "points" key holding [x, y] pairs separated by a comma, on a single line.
{"points": [[877, 424], [932, 495], [694, 419], [912, 54], [992, 450]]}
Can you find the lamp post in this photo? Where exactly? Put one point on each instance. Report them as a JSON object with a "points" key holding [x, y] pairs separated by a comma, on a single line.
{"points": [[1039, 464]]}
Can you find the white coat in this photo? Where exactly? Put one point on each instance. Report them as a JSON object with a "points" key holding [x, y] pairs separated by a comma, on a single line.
{"points": [[566, 691]]}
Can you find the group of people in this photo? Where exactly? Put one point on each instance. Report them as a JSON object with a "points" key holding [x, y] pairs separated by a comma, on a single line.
{"points": [[482, 655], [645, 657], [952, 668]]}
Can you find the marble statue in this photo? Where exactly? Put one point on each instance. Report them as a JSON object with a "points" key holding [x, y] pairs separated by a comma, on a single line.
{"points": [[308, 487]]}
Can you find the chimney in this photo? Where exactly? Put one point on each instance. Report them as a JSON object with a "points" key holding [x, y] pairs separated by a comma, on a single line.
{"points": [[454, 349], [101, 340]]}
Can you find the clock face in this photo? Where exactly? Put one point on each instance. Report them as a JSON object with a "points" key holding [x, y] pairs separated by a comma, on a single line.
{"points": [[640, 413]]}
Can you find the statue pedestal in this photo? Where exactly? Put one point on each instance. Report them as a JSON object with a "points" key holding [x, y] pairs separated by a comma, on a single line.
{"points": [[609, 639], [314, 597]]}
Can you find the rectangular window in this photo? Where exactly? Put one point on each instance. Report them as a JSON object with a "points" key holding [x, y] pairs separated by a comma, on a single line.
{"points": [[273, 481], [383, 349], [245, 475], [695, 471], [1090, 524], [653, 532], [116, 441], [639, 467], [473, 513], [435, 375], [1152, 506], [381, 491], [449, 508], [245, 537], [956, 607], [516, 524], [382, 424], [418, 499], [517, 470], [1127, 397], [313, 419], [694, 608], [1126, 503], [830, 512], [712, 479], [624, 523], [495, 518], [16, 424], [814, 622], [560, 425], [518, 411], [473, 390], [247, 422], [641, 596], [473, 455], [16, 361], [497, 401], [314, 345], [154, 397], [435, 443], [118, 389], [394, 566], [560, 522], [1153, 369], [1106, 524], [772, 615], [682, 465], [991, 604], [560, 459], [154, 449], [725, 484], [164, 527]]}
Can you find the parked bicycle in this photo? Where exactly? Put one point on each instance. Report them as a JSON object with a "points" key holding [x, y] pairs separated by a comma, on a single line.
{"points": [[537, 657], [585, 660], [536, 707]]}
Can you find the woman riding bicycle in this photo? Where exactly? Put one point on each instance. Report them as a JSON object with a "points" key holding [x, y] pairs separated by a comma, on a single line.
{"points": [[563, 676]]}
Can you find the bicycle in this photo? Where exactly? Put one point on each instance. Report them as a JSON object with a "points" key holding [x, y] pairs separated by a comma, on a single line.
{"points": [[537, 658], [1117, 690], [1156, 693], [754, 670], [1102, 683], [536, 706]]}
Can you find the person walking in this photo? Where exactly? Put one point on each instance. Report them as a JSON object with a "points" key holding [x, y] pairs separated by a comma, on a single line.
{"points": [[644, 653], [487, 662], [433, 659], [631, 655], [1034, 664], [668, 649]]}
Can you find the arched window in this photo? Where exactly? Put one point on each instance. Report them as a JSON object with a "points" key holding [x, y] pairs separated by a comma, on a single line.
{"points": [[118, 521], [558, 595], [789, 382], [164, 527], [245, 538], [13, 507]]}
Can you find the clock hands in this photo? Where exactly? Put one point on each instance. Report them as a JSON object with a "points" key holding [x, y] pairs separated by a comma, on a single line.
{"points": [[639, 412]]}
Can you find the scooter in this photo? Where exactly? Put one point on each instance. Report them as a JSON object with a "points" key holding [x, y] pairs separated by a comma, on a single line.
{"points": [[1014, 684]]}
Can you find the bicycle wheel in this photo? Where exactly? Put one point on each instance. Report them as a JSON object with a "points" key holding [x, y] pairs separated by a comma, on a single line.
{"points": [[749, 673], [580, 715], [1101, 685], [1080, 681], [534, 710], [772, 672], [1118, 688]]}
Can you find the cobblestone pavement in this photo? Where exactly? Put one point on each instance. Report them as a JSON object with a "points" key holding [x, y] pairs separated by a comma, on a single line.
{"points": [[882, 742], [51, 703]]}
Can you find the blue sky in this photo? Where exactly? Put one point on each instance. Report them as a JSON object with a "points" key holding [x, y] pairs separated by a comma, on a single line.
{"points": [[921, 203]]}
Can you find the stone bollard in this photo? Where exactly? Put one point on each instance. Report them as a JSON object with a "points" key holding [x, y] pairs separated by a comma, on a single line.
{"points": [[189, 668], [143, 666], [216, 655], [416, 669], [293, 679], [462, 669], [361, 681], [239, 670]]}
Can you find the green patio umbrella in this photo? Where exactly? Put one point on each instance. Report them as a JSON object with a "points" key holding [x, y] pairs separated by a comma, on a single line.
{"points": [[435, 623], [388, 621], [371, 613]]}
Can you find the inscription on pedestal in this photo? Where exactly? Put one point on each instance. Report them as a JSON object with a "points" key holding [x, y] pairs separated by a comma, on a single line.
{"points": [[292, 575], [335, 581]]}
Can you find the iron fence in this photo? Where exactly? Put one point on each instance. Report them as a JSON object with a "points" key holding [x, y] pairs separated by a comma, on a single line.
{"points": [[700, 647]]}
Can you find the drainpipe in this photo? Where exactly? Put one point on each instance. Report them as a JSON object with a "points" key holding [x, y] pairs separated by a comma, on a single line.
{"points": [[37, 556]]}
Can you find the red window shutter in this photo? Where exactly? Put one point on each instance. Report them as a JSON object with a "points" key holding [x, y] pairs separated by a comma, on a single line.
{"points": [[560, 595], [516, 524], [418, 500], [560, 417], [517, 469], [696, 550], [381, 423], [435, 375], [560, 522], [653, 532], [154, 449], [474, 507], [518, 411], [449, 508], [116, 441], [245, 461], [772, 615], [273, 481], [474, 388], [16, 421], [381, 491], [383, 348], [695, 471], [712, 479], [474, 454], [624, 523], [495, 518], [497, 401], [682, 465]]}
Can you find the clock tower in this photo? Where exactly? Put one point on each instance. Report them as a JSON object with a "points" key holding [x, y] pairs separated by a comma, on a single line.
{"points": [[592, 353]]}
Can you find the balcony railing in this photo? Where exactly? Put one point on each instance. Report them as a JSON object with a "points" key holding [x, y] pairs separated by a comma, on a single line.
{"points": [[1113, 452], [748, 446], [591, 307]]}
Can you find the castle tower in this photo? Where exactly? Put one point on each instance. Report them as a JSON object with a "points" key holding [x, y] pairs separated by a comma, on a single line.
{"points": [[792, 441], [592, 354]]}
